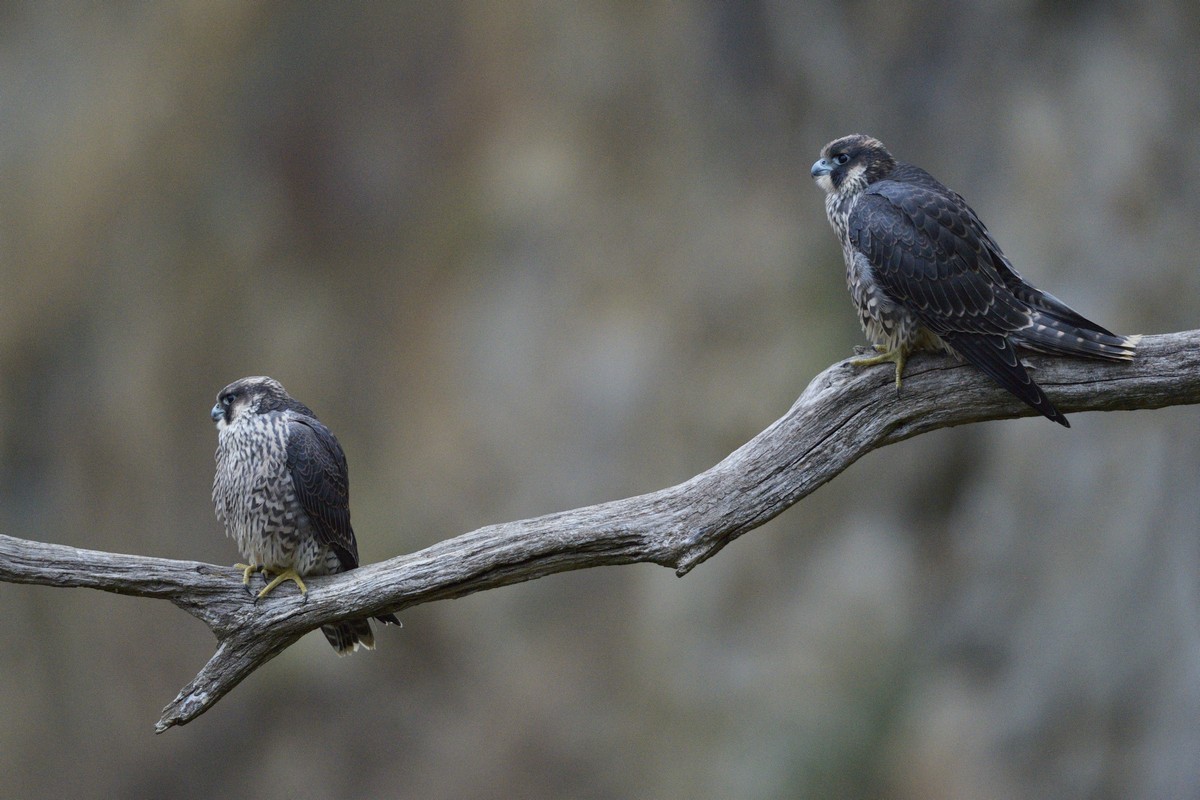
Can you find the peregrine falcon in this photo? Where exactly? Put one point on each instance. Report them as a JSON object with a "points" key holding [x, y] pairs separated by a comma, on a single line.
{"points": [[282, 491], [925, 273]]}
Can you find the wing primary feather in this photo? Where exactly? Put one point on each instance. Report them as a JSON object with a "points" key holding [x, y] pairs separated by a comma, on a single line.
{"points": [[997, 358]]}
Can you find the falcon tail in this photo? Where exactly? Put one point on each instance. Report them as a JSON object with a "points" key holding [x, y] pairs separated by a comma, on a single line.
{"points": [[348, 635], [1051, 333], [997, 358]]}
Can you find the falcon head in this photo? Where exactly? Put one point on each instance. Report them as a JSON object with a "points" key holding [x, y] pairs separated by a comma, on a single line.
{"points": [[852, 163], [257, 395]]}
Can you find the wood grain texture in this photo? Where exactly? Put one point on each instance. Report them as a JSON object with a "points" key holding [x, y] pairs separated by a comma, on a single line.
{"points": [[843, 414]]}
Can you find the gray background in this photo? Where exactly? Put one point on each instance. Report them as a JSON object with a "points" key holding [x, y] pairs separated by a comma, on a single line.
{"points": [[524, 257]]}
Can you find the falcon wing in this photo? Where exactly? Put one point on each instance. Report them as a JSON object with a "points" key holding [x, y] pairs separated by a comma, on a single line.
{"points": [[1022, 289], [321, 479], [929, 253], [1050, 325], [997, 358]]}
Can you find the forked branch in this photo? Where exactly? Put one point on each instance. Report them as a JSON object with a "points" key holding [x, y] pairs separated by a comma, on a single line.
{"points": [[843, 414]]}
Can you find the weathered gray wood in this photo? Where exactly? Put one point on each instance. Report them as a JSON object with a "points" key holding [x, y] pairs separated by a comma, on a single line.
{"points": [[843, 414]]}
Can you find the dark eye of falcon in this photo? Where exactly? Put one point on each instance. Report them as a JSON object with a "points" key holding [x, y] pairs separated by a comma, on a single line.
{"points": [[841, 158], [227, 400]]}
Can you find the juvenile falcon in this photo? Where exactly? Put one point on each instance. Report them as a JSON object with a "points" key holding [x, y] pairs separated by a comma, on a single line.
{"points": [[282, 491], [925, 273]]}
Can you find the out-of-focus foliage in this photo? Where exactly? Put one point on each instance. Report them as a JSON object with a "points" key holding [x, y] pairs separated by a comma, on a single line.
{"points": [[528, 256]]}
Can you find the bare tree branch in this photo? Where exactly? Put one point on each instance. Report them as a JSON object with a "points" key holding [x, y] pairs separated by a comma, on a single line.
{"points": [[843, 414]]}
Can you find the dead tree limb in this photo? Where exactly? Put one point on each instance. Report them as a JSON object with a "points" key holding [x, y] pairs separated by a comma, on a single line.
{"points": [[843, 414]]}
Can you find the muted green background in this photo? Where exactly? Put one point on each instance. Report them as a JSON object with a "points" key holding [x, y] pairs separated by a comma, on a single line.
{"points": [[524, 257]]}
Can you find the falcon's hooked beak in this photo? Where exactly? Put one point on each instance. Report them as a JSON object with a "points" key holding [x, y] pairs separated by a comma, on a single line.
{"points": [[821, 172], [218, 414]]}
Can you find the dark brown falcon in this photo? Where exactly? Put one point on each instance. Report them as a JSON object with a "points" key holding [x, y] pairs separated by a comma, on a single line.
{"points": [[925, 273], [283, 492]]}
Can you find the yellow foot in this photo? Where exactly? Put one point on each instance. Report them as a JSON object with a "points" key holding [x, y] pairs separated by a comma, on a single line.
{"points": [[286, 575], [897, 356], [247, 571]]}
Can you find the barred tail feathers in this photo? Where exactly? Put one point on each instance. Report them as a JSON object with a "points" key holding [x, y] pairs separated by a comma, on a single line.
{"points": [[1048, 333], [348, 635]]}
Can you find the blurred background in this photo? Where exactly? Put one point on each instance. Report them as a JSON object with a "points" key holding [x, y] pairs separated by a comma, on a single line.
{"points": [[524, 257]]}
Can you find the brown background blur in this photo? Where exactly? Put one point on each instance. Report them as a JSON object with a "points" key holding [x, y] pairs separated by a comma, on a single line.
{"points": [[524, 257]]}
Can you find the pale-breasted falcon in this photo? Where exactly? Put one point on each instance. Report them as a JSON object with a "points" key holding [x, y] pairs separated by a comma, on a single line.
{"points": [[924, 272], [282, 490]]}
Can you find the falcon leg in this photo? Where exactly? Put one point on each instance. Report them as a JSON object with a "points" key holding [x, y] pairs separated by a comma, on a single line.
{"points": [[286, 575], [247, 571], [897, 357]]}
